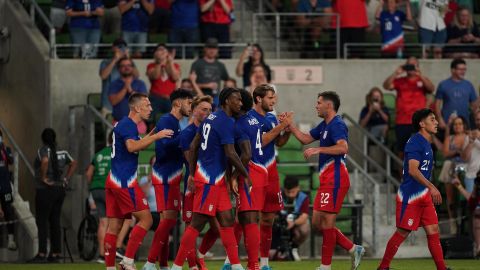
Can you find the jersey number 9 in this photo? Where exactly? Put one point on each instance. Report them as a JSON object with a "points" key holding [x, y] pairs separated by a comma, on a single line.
{"points": [[205, 133]]}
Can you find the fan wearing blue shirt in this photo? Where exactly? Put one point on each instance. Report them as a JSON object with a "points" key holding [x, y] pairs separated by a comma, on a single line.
{"points": [[391, 21], [184, 23], [135, 17]]}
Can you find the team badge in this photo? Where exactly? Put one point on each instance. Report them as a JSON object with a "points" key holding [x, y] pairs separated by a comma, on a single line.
{"points": [[189, 214], [210, 208], [410, 222], [325, 134], [144, 201], [175, 203]]}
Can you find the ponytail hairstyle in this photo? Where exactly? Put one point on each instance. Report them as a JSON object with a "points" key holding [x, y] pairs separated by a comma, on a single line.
{"points": [[49, 139]]}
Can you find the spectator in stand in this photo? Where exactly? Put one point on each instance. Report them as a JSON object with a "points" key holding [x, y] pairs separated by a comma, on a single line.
{"points": [[135, 16], [230, 83], [160, 20], [391, 21], [258, 76], [50, 182], [85, 25], [122, 88], [353, 21], [7, 212], [184, 25], [374, 116], [411, 96], [463, 31], [109, 71], [255, 57], [471, 154], [163, 74], [57, 14], [455, 95], [215, 22], [186, 84], [209, 71], [297, 206], [111, 20], [432, 28], [313, 25]]}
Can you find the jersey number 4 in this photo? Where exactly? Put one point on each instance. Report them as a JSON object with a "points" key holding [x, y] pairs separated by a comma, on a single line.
{"points": [[258, 143], [205, 132]]}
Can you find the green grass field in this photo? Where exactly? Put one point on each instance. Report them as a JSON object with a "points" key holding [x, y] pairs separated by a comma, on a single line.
{"points": [[410, 264]]}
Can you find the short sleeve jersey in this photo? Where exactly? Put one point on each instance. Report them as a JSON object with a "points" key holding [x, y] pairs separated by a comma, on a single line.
{"points": [[102, 164], [168, 165], [124, 164], [456, 96], [121, 109], [410, 98], [304, 6], [391, 29], [411, 191], [216, 131], [63, 158], [209, 72], [328, 135], [186, 138], [91, 22], [267, 123], [136, 18]]}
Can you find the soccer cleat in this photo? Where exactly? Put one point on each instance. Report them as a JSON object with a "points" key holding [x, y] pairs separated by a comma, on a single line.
{"points": [[149, 266], [11, 243], [295, 255], [266, 267], [100, 260], [227, 266], [126, 266], [120, 253], [357, 256], [201, 264]]}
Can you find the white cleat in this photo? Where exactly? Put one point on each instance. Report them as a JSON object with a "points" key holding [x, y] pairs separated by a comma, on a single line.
{"points": [[126, 266], [357, 256], [149, 266]]}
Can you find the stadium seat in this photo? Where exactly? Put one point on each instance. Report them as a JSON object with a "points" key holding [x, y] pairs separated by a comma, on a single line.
{"points": [[95, 99], [292, 144]]}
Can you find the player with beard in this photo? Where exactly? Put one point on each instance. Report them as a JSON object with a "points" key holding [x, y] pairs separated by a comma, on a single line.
{"points": [[167, 175]]}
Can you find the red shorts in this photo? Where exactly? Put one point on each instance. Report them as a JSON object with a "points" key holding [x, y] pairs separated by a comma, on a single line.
{"points": [[250, 201], [329, 199], [273, 194], [187, 209], [413, 216], [168, 197], [122, 202], [210, 199], [329, 177]]}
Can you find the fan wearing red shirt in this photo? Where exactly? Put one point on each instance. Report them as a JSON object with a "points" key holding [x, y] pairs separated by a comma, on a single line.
{"points": [[215, 22], [411, 96], [163, 74]]}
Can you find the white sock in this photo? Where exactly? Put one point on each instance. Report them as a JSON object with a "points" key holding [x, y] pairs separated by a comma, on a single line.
{"points": [[237, 267], [263, 261], [352, 249], [111, 268], [325, 267], [148, 263], [194, 268], [227, 261], [127, 260], [200, 255], [176, 267]]}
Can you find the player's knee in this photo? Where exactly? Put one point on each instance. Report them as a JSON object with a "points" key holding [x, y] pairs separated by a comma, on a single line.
{"points": [[432, 229], [146, 222]]}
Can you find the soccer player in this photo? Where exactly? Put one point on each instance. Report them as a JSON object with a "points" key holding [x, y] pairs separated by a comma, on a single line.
{"points": [[167, 174], [417, 195], [213, 153], [201, 109], [333, 176], [264, 99], [123, 197]]}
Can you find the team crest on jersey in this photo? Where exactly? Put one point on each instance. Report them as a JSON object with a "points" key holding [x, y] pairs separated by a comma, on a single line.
{"points": [[253, 121], [410, 222], [210, 208], [325, 134], [211, 117], [144, 201]]}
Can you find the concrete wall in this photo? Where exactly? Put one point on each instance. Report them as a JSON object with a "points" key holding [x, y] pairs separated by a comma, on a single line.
{"points": [[24, 83]]}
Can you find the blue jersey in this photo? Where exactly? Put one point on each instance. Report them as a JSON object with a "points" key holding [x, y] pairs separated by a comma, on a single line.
{"points": [[330, 167], [391, 29], [123, 173], [168, 165], [267, 123], [216, 131], [411, 191], [186, 138], [84, 22], [136, 18]]}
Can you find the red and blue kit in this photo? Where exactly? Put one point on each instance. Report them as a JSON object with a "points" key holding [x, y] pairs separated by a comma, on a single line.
{"points": [[167, 169], [186, 138], [273, 195], [414, 202], [332, 172], [123, 196], [211, 194], [248, 128]]}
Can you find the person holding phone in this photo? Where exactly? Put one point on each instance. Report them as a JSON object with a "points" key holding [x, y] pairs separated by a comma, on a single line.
{"points": [[254, 54], [412, 87], [374, 116]]}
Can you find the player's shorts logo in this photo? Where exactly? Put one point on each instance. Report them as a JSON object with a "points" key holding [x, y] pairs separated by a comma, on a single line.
{"points": [[189, 214], [144, 201], [210, 208], [175, 203], [410, 222]]}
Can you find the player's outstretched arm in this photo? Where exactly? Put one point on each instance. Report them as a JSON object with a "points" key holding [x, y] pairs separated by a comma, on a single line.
{"points": [[138, 145], [304, 138], [417, 175]]}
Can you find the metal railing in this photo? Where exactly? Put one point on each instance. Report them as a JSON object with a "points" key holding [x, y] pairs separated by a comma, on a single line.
{"points": [[367, 160], [17, 152], [296, 33], [35, 12], [374, 50]]}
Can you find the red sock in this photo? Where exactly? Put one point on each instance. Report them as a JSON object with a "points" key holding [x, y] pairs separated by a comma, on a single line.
{"points": [[252, 244], [187, 245], [328, 245], [162, 232], [191, 258], [343, 241], [392, 246], [265, 240], [110, 249], [238, 229], [163, 256], [136, 237], [230, 244], [436, 250], [208, 240]]}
